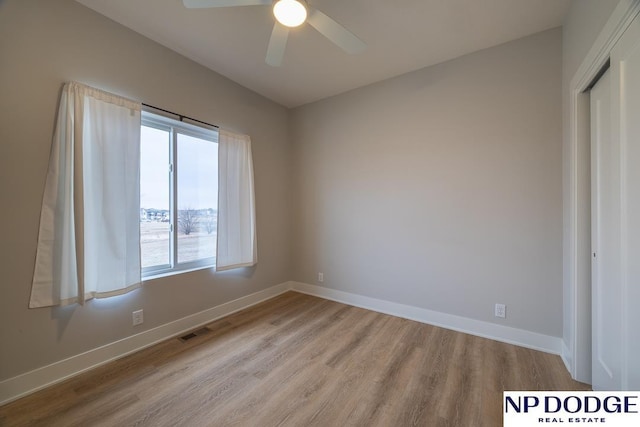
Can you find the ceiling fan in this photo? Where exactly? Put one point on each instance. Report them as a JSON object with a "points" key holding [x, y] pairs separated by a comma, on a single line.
{"points": [[290, 14]]}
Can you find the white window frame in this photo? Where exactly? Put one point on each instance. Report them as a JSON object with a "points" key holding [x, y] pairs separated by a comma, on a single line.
{"points": [[176, 127]]}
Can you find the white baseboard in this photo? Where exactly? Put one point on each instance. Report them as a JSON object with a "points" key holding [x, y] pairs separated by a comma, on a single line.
{"points": [[29, 382], [566, 358], [520, 337]]}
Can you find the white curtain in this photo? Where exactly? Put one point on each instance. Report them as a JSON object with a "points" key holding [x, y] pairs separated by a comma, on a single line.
{"points": [[88, 243], [236, 204]]}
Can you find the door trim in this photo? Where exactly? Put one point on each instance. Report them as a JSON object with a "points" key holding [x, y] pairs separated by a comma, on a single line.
{"points": [[577, 251]]}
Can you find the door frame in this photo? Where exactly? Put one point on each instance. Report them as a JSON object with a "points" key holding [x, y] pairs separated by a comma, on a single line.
{"points": [[576, 348]]}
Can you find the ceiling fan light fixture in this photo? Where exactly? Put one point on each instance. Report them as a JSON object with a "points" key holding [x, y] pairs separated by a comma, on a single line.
{"points": [[290, 13]]}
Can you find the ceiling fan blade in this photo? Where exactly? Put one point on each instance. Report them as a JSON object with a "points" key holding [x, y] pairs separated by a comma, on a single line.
{"points": [[277, 45], [335, 32], [202, 4]]}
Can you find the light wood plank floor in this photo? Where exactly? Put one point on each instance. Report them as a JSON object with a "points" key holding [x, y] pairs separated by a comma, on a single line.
{"points": [[298, 360]]}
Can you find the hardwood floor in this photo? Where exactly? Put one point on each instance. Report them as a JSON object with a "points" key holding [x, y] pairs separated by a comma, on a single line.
{"points": [[298, 360]]}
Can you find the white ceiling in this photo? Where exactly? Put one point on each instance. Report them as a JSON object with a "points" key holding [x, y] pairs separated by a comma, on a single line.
{"points": [[401, 36]]}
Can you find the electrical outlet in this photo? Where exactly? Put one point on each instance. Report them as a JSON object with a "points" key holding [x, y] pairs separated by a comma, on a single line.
{"points": [[501, 311], [320, 277], [138, 317]]}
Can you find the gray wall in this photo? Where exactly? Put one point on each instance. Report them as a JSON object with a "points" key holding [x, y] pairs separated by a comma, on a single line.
{"points": [[42, 45], [440, 188], [581, 26]]}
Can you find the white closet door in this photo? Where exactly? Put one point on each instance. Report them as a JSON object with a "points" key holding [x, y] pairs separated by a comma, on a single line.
{"points": [[605, 242], [625, 102]]}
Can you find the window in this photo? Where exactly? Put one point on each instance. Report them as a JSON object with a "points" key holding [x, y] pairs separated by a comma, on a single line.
{"points": [[178, 195]]}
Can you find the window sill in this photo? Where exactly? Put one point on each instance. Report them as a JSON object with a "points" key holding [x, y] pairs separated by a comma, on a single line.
{"points": [[154, 276]]}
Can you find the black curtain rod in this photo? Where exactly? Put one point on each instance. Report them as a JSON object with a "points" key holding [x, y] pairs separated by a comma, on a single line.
{"points": [[181, 116]]}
